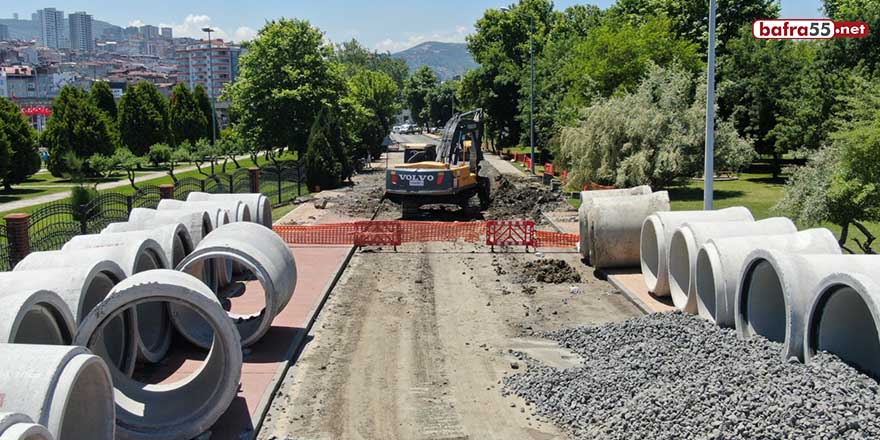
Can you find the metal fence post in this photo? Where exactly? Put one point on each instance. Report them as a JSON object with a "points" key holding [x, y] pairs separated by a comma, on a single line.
{"points": [[278, 173], [82, 210], [202, 183], [298, 179], [254, 175], [231, 183], [17, 236], [129, 203]]}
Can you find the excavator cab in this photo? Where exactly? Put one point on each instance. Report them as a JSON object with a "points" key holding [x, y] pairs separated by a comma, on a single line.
{"points": [[452, 177]]}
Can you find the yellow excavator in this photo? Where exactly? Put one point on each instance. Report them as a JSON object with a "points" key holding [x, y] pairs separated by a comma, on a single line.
{"points": [[449, 176]]}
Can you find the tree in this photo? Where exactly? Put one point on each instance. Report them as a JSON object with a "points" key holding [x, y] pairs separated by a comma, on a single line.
{"points": [[102, 165], [143, 118], [204, 104], [654, 136], [5, 152], [417, 89], [228, 147], [850, 52], [324, 169], [22, 139], [159, 154], [186, 118], [377, 93], [102, 97], [356, 57], [76, 127], [440, 103], [286, 78], [126, 161]]}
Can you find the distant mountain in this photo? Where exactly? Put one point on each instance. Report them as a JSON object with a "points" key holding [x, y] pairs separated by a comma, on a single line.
{"points": [[30, 30], [446, 59]]}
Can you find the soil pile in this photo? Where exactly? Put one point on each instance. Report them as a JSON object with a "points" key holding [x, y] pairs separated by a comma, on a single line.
{"points": [[550, 271], [523, 201]]}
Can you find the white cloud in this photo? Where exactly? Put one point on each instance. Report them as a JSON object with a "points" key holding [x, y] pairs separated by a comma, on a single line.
{"points": [[456, 35], [244, 33], [192, 27], [136, 23]]}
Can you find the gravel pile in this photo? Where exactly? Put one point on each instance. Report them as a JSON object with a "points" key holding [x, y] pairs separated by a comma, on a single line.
{"points": [[678, 376], [551, 271]]}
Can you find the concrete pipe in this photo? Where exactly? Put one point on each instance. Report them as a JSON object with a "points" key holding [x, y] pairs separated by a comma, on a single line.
{"points": [[34, 316], [776, 290], [657, 231], [198, 223], [263, 253], [82, 287], [237, 211], [64, 388], [844, 319], [187, 407], [687, 240], [614, 225], [147, 250], [220, 216], [17, 426], [586, 203], [720, 261], [259, 205]]}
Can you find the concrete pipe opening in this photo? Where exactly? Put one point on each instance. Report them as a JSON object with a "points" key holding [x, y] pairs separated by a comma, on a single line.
{"points": [[265, 258], [17, 426], [258, 204], [709, 283], [679, 264], [197, 222], [34, 317], [649, 249], [186, 407], [844, 321], [64, 388], [763, 308]]}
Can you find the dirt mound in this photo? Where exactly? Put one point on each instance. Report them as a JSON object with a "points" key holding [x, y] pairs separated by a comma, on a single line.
{"points": [[550, 271], [523, 201]]}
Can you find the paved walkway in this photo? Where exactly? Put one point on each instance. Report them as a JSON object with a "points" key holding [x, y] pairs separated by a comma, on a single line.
{"points": [[504, 167]]}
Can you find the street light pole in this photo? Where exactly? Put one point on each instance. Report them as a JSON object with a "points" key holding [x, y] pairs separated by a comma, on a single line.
{"points": [[211, 88], [532, 90], [709, 163]]}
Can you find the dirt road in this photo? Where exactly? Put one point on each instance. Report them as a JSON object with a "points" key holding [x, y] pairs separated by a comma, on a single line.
{"points": [[413, 345]]}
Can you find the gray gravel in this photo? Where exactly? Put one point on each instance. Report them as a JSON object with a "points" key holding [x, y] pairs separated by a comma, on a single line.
{"points": [[678, 376]]}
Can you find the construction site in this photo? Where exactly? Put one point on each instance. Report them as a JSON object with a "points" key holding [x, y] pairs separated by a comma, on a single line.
{"points": [[400, 307]]}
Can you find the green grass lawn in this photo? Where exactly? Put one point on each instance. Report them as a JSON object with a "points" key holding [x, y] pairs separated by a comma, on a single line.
{"points": [[758, 192]]}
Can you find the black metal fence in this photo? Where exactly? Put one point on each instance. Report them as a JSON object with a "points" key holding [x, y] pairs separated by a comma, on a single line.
{"points": [[52, 225]]}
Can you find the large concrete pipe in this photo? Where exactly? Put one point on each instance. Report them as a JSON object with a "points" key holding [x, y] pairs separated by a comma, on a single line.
{"points": [[587, 198], [614, 225], [259, 205], [687, 240], [82, 287], [238, 211], [844, 319], [656, 232], [34, 316], [776, 290], [18, 426], [263, 253], [220, 215], [64, 388], [156, 248], [187, 407], [720, 261], [198, 223]]}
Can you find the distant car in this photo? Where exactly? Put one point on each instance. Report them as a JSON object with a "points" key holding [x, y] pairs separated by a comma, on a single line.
{"points": [[395, 129]]}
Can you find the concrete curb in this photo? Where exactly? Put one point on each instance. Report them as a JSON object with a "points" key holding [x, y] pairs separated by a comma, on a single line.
{"points": [[632, 297]]}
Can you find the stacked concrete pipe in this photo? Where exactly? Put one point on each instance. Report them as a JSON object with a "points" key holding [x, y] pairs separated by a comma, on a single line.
{"points": [[186, 408], [156, 248], [259, 206], [64, 388], [34, 316], [17, 426], [720, 261], [587, 198], [687, 240], [197, 223], [656, 232], [260, 251], [237, 211], [777, 289], [220, 215], [83, 285], [614, 225], [844, 318]]}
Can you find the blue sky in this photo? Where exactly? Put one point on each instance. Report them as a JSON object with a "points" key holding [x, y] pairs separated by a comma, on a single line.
{"points": [[383, 25]]}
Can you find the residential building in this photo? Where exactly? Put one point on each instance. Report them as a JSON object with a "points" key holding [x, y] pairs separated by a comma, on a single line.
{"points": [[194, 65], [4, 32], [81, 39], [20, 81], [113, 33], [167, 33], [51, 28], [150, 32]]}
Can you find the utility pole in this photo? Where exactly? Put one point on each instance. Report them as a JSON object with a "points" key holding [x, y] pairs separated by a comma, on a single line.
{"points": [[211, 88], [532, 90], [709, 164]]}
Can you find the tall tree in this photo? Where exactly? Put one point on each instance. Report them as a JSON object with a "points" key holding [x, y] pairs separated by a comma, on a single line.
{"points": [[377, 93], [75, 128], [850, 52], [204, 103], [102, 97], [286, 78], [418, 89], [143, 118], [353, 55], [22, 140], [187, 120], [440, 102]]}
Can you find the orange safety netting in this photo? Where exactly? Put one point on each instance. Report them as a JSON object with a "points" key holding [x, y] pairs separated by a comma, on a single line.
{"points": [[396, 232]]}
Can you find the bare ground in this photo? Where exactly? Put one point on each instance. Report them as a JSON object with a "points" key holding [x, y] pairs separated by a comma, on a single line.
{"points": [[413, 345]]}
